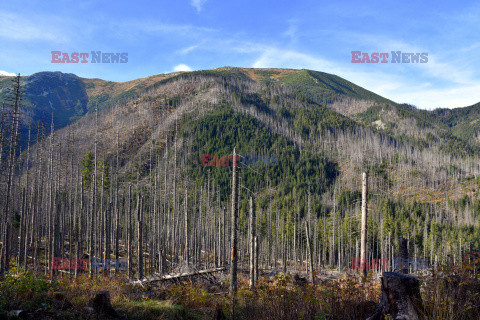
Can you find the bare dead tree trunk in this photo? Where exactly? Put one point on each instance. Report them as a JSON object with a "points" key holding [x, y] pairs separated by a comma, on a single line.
{"points": [[186, 227], [140, 236], [309, 250], [252, 243], [234, 222], [2, 132], [11, 166], [52, 212], [257, 250], [22, 228], [129, 232], [117, 230], [108, 230], [363, 241], [93, 199]]}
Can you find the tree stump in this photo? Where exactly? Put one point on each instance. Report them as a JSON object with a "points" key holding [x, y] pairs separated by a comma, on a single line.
{"points": [[102, 305], [400, 298]]}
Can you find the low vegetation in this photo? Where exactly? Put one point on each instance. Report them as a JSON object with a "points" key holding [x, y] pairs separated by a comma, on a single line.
{"points": [[449, 292]]}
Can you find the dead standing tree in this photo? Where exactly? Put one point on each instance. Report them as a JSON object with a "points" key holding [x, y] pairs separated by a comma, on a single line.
{"points": [[253, 236], [233, 265], [363, 243], [15, 100], [309, 246], [140, 235]]}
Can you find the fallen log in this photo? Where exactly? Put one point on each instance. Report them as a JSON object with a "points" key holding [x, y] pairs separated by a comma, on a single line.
{"points": [[155, 278]]}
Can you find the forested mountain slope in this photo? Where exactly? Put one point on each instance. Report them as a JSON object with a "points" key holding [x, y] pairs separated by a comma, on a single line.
{"points": [[148, 137]]}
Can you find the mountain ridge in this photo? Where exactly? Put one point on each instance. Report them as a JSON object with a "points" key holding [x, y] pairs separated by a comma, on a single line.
{"points": [[421, 128]]}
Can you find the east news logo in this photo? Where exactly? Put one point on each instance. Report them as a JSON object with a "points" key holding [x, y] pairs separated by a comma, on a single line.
{"points": [[382, 57], [96, 57]]}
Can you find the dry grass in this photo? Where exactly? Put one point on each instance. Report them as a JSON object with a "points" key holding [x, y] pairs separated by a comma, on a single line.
{"points": [[451, 292]]}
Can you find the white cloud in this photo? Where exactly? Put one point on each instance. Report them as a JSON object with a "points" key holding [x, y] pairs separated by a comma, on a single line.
{"points": [[198, 4], [6, 74], [277, 58], [182, 67]]}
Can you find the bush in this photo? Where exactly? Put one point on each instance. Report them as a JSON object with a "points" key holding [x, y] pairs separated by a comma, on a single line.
{"points": [[25, 290]]}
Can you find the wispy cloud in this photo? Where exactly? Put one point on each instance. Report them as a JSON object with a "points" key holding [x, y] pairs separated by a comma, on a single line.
{"points": [[198, 4], [187, 49], [34, 28], [171, 28], [442, 64], [292, 30], [133, 29]]}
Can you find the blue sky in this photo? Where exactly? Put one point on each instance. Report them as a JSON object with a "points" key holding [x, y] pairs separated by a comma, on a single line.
{"points": [[166, 36]]}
